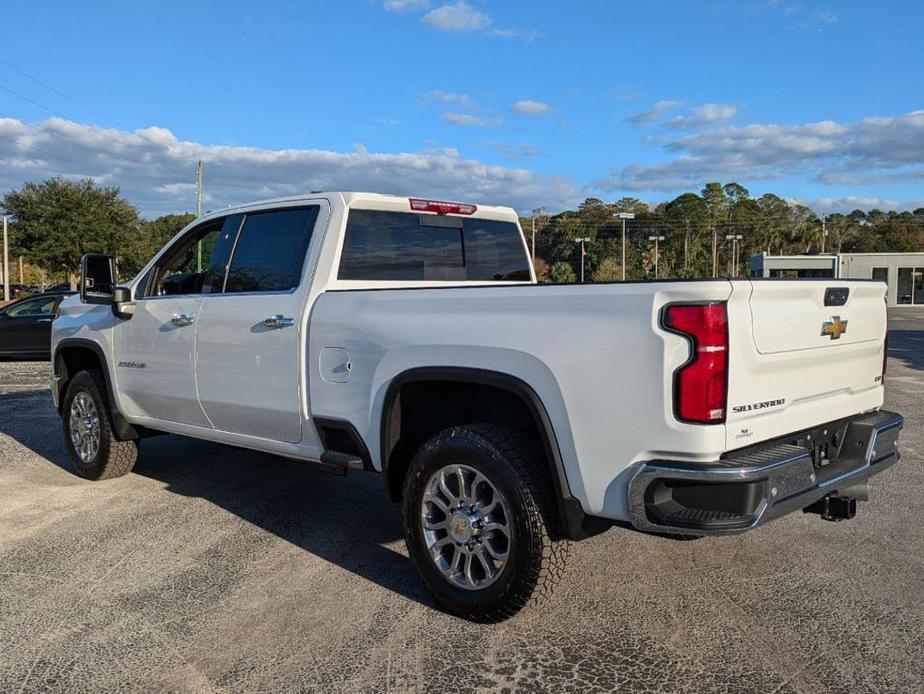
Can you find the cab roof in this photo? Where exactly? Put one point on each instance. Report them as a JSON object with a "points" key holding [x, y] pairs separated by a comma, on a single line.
{"points": [[375, 201]]}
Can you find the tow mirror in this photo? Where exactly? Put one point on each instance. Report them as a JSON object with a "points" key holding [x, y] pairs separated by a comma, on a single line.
{"points": [[97, 278]]}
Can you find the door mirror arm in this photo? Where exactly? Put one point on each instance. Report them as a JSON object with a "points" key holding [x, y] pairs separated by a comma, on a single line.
{"points": [[122, 305]]}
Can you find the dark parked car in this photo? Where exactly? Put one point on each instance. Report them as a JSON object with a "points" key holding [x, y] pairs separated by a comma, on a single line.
{"points": [[25, 326]]}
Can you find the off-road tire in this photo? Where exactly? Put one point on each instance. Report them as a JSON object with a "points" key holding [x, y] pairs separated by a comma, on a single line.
{"points": [[513, 462], [114, 457]]}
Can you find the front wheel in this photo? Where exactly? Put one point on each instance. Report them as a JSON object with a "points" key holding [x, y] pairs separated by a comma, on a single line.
{"points": [[94, 450], [479, 522]]}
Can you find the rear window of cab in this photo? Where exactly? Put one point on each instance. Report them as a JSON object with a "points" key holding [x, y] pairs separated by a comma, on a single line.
{"points": [[405, 246]]}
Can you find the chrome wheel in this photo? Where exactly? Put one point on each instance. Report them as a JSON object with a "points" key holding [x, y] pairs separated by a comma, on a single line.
{"points": [[84, 427], [466, 526]]}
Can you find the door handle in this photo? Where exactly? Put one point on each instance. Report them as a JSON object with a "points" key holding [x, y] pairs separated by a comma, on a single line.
{"points": [[181, 320], [279, 321]]}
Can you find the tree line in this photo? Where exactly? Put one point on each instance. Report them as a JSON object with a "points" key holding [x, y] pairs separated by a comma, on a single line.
{"points": [[56, 221], [695, 230]]}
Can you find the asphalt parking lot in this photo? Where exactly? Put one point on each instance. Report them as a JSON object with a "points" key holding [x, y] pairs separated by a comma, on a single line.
{"points": [[215, 569]]}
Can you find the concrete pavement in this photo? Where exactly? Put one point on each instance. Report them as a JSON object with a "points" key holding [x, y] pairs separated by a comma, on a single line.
{"points": [[215, 569]]}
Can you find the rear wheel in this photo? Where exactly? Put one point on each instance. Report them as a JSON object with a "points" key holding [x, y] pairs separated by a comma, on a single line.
{"points": [[94, 450], [479, 522]]}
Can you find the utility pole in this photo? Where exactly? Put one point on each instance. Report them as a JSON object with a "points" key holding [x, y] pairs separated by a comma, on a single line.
{"points": [[656, 239], [715, 253], [582, 241], [624, 216], [734, 238], [6, 261], [824, 232], [21, 280], [199, 213], [199, 189]]}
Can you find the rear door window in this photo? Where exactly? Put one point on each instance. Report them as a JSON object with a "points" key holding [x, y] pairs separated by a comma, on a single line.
{"points": [[405, 246], [270, 250]]}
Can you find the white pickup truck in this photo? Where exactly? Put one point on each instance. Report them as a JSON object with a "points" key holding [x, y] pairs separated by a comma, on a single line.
{"points": [[409, 337]]}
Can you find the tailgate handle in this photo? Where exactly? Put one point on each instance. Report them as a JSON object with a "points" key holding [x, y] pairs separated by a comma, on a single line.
{"points": [[836, 296]]}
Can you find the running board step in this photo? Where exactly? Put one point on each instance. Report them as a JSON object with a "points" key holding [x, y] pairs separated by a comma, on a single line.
{"points": [[339, 463]]}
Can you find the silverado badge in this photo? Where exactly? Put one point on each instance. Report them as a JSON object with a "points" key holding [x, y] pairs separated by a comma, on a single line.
{"points": [[834, 327]]}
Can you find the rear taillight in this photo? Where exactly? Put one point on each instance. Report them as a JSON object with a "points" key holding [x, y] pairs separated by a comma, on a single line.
{"points": [[441, 207], [701, 385]]}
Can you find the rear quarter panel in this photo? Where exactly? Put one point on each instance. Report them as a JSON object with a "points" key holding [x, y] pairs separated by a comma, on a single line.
{"points": [[594, 354]]}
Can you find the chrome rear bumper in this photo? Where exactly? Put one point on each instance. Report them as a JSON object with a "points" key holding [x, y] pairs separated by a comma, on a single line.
{"points": [[755, 485]]}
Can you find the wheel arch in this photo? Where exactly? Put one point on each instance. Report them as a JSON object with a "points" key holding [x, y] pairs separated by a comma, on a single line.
{"points": [[79, 354], [395, 458]]}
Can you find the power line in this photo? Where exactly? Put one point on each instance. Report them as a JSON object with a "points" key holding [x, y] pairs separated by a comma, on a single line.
{"points": [[99, 131], [40, 105], [17, 143], [60, 93]]}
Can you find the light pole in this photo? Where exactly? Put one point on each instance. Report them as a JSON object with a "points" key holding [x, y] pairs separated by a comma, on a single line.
{"points": [[734, 238], [582, 241], [656, 239], [624, 216]]}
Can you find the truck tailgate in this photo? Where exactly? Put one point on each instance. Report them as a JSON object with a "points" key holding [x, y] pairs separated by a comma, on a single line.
{"points": [[802, 353], [793, 316]]}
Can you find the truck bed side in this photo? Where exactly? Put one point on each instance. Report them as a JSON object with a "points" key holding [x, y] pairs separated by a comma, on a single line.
{"points": [[594, 355]]}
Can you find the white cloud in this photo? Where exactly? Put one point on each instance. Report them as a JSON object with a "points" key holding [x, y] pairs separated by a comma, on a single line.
{"points": [[514, 151], [530, 108], [706, 114], [454, 118], [655, 112], [444, 97], [155, 170], [850, 203], [405, 5], [528, 34], [875, 149], [826, 17], [459, 17]]}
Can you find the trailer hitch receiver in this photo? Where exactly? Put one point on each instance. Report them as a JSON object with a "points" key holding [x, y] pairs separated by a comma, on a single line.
{"points": [[834, 508]]}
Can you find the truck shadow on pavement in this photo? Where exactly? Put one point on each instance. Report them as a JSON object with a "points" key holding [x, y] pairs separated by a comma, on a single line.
{"points": [[347, 521], [908, 347]]}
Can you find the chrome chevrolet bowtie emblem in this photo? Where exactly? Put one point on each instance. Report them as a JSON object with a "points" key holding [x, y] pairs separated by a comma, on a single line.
{"points": [[834, 327]]}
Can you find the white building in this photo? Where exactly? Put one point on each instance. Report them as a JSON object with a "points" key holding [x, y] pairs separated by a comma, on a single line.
{"points": [[902, 272]]}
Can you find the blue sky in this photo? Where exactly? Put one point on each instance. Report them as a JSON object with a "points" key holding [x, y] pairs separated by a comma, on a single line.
{"points": [[523, 103]]}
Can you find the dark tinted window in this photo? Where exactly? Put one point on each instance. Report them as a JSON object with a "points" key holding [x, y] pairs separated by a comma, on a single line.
{"points": [[196, 264], [270, 250], [402, 246], [41, 306]]}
